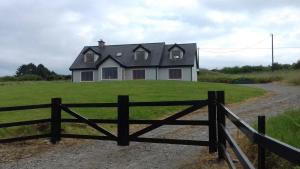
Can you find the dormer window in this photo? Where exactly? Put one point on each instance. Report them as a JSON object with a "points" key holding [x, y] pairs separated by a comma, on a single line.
{"points": [[90, 57], [141, 53], [176, 52]]}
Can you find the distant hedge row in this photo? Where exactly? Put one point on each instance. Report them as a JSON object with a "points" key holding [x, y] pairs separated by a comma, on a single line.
{"points": [[31, 77], [251, 69]]}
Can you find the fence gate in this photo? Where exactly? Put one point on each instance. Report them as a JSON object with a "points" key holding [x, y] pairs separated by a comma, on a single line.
{"points": [[219, 135], [123, 122]]}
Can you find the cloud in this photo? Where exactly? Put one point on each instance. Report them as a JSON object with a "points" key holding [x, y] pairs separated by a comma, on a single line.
{"points": [[54, 32]]}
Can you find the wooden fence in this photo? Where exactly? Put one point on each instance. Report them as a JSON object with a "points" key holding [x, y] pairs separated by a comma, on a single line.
{"points": [[218, 138]]}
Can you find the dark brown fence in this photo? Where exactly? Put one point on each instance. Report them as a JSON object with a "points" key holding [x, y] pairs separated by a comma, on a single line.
{"points": [[263, 141], [219, 136]]}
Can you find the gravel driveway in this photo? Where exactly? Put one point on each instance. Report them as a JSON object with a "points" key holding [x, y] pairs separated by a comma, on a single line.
{"points": [[106, 154]]}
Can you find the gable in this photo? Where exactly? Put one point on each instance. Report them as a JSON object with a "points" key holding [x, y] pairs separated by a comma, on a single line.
{"points": [[109, 63]]}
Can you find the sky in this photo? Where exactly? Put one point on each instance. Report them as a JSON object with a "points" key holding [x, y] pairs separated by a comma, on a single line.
{"points": [[227, 32]]}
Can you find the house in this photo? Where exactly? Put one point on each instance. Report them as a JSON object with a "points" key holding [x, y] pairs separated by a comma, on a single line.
{"points": [[148, 61]]}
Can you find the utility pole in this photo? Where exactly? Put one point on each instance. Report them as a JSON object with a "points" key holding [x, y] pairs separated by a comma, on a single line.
{"points": [[272, 53]]}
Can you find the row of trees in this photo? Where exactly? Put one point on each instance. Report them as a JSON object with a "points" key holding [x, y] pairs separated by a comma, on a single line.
{"points": [[39, 72], [251, 69], [34, 73]]}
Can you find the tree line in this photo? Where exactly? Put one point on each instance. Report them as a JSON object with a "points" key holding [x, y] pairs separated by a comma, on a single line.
{"points": [[32, 72], [251, 69]]}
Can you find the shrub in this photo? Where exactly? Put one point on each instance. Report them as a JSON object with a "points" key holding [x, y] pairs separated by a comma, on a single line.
{"points": [[29, 77], [297, 65], [8, 78]]}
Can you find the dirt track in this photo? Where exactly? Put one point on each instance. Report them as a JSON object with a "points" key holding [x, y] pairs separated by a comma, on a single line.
{"points": [[105, 154]]}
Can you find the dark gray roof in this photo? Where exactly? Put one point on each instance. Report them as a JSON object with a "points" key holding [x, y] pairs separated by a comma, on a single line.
{"points": [[159, 55]]}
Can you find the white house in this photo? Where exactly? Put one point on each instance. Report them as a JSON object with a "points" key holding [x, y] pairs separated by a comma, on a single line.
{"points": [[147, 61]]}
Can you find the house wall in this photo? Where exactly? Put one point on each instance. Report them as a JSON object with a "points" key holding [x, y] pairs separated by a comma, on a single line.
{"points": [[150, 73], [77, 75], [163, 73], [111, 63], [194, 72], [188, 73]]}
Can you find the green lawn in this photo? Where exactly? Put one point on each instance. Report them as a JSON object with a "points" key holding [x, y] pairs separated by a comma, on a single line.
{"points": [[26, 93]]}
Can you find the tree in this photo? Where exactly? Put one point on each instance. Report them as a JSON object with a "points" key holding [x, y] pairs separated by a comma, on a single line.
{"points": [[43, 71], [26, 69], [40, 70]]}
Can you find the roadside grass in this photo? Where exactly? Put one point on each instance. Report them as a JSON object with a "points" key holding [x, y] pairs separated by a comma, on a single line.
{"points": [[286, 76], [27, 93], [284, 127]]}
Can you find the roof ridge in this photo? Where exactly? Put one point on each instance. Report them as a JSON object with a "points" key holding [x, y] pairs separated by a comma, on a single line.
{"points": [[181, 43], [129, 44]]}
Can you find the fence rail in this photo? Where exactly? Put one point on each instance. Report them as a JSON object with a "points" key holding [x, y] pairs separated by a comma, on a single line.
{"points": [[263, 141], [219, 135]]}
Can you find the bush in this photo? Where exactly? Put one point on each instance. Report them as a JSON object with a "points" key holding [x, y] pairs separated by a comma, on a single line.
{"points": [[29, 77], [296, 65], [8, 78]]}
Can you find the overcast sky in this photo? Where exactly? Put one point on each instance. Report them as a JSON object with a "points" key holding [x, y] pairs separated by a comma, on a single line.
{"points": [[53, 32]]}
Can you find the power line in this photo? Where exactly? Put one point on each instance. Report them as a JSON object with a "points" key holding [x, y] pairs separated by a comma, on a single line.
{"points": [[251, 48], [225, 50]]}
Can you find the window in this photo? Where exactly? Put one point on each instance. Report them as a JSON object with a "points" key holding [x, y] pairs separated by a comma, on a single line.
{"points": [[140, 55], [87, 76], [110, 73], [89, 57], [175, 74], [176, 54], [138, 74]]}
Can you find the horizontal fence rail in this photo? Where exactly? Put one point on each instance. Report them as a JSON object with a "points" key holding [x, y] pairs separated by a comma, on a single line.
{"points": [[283, 150], [23, 123], [91, 105], [169, 103], [111, 121], [27, 107]]}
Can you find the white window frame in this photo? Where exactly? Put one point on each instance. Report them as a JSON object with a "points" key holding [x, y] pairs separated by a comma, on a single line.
{"points": [[86, 71], [171, 54], [138, 69], [110, 67], [146, 56], [85, 57], [169, 73]]}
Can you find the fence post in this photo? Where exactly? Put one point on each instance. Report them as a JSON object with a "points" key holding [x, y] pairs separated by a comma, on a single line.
{"points": [[221, 121], [123, 120], [261, 150], [212, 117], [55, 120]]}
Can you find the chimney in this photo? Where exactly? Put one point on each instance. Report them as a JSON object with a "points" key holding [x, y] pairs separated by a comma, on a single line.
{"points": [[101, 43]]}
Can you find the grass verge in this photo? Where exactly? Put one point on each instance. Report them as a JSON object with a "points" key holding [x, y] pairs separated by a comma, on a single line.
{"points": [[284, 127]]}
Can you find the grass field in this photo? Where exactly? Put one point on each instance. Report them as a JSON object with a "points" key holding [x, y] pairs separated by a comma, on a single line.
{"points": [[286, 76], [26, 93]]}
